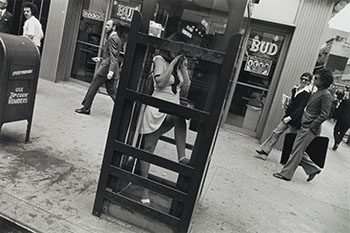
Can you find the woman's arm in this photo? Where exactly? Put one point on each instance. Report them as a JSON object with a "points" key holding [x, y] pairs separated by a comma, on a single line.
{"points": [[161, 76], [184, 71]]}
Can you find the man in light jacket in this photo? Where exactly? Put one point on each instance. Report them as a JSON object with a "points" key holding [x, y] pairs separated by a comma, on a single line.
{"points": [[316, 112], [32, 27]]}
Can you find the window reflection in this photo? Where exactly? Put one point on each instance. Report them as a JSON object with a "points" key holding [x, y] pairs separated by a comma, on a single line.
{"points": [[202, 22]]}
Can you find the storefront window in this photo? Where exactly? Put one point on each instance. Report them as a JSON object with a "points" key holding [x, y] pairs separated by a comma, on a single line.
{"points": [[89, 38], [257, 70]]}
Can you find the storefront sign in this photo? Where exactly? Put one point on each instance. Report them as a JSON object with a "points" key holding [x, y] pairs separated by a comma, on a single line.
{"points": [[124, 11], [263, 47], [258, 65], [18, 96], [93, 15]]}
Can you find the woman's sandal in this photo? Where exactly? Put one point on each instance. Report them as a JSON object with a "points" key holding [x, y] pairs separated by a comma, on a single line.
{"points": [[279, 176]]}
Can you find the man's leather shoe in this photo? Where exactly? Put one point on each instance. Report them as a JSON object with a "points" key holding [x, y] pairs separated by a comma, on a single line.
{"points": [[279, 176], [83, 111], [335, 147], [312, 176]]}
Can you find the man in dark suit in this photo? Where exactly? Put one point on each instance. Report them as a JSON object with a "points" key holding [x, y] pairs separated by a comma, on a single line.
{"points": [[6, 18], [342, 115], [108, 70], [316, 112]]}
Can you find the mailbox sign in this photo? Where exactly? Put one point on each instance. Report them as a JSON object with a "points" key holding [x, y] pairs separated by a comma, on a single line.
{"points": [[18, 96]]}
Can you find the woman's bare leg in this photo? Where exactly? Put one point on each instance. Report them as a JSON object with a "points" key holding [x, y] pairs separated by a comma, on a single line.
{"points": [[150, 143], [180, 137]]}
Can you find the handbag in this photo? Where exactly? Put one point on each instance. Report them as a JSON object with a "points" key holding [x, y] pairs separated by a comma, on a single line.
{"points": [[317, 149], [148, 87]]}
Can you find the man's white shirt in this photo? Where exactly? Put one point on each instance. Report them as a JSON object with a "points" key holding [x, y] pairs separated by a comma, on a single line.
{"points": [[32, 28]]}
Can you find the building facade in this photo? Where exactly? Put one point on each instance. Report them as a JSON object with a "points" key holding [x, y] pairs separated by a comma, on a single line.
{"points": [[282, 41]]}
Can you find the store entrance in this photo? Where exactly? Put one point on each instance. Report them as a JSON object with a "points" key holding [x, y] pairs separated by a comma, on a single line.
{"points": [[256, 75], [91, 27]]}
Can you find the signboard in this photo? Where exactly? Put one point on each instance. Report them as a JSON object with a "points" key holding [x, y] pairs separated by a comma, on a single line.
{"points": [[93, 15], [258, 65], [124, 10], [263, 51]]}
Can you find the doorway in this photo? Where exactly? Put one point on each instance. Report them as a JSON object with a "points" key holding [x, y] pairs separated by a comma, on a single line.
{"points": [[89, 38], [257, 75]]}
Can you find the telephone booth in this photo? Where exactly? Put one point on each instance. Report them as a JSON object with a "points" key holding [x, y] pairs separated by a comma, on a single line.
{"points": [[172, 187]]}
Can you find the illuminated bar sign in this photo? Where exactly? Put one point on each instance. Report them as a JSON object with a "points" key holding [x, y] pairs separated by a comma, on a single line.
{"points": [[93, 15], [258, 65], [124, 10]]}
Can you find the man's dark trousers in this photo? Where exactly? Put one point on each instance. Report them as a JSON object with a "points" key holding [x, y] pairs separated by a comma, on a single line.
{"points": [[339, 131], [96, 83]]}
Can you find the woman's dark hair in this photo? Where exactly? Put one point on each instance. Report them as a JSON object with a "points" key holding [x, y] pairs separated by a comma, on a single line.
{"points": [[167, 57], [308, 75], [32, 7], [179, 37], [326, 77]]}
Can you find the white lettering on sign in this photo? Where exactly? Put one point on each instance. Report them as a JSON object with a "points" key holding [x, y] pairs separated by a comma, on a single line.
{"points": [[21, 72], [264, 47], [93, 15], [18, 96], [126, 12]]}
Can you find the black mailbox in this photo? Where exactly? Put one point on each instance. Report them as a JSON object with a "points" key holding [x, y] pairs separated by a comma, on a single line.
{"points": [[19, 70]]}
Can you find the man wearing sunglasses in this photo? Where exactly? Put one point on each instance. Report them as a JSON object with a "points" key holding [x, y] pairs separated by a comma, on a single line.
{"points": [[292, 117], [315, 113]]}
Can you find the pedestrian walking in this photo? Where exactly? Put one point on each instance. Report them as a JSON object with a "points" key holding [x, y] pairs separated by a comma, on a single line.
{"points": [[32, 27], [292, 118], [316, 112], [108, 70], [342, 116], [6, 18]]}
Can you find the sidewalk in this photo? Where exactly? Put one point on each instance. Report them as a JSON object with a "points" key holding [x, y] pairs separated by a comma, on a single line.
{"points": [[50, 184]]}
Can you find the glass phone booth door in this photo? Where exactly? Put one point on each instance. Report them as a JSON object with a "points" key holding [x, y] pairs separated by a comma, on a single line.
{"points": [[256, 73]]}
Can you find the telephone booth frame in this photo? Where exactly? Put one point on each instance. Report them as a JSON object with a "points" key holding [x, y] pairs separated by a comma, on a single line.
{"points": [[116, 175]]}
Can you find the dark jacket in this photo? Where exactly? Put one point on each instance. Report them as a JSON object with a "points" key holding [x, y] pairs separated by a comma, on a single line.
{"points": [[296, 108], [110, 54], [342, 113], [6, 23]]}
